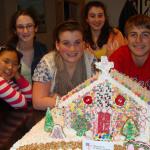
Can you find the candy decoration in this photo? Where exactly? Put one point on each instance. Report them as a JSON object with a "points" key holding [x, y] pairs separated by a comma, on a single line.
{"points": [[130, 147], [103, 96], [120, 100], [87, 99], [80, 124], [103, 136], [103, 122], [57, 132], [130, 131], [49, 123], [138, 145]]}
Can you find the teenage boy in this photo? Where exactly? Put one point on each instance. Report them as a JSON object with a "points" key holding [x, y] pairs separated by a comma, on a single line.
{"points": [[134, 58]]}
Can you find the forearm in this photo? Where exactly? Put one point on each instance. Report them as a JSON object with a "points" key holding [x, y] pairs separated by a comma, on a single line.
{"points": [[44, 102]]}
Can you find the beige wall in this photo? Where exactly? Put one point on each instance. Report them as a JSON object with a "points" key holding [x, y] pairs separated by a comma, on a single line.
{"points": [[50, 17], [8, 8], [2, 23], [114, 8]]}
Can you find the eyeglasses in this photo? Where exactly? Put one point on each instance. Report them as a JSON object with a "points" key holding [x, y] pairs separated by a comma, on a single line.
{"points": [[28, 27]]}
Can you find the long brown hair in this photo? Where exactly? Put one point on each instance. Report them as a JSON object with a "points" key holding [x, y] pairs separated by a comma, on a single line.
{"points": [[105, 31], [12, 26]]}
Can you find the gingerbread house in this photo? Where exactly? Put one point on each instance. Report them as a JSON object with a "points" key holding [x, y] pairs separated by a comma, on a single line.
{"points": [[108, 106]]}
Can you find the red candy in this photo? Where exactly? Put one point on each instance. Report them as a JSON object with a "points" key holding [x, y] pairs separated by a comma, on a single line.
{"points": [[120, 100], [87, 99]]}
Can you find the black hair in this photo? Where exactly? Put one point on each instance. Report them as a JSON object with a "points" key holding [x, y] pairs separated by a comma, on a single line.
{"points": [[10, 48]]}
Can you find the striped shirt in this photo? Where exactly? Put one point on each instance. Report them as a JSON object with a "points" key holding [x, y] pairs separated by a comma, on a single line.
{"points": [[16, 94]]}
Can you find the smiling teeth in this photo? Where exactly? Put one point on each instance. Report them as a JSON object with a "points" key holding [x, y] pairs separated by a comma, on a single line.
{"points": [[7, 72], [73, 55]]}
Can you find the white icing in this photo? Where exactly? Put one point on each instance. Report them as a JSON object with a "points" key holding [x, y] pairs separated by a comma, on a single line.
{"points": [[69, 132], [89, 134], [38, 135]]}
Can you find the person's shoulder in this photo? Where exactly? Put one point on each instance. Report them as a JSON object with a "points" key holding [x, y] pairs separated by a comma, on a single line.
{"points": [[89, 55], [123, 48], [116, 30], [116, 34], [38, 44], [50, 55], [5, 82], [120, 52]]}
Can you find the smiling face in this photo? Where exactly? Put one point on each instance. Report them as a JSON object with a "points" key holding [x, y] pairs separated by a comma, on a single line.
{"points": [[8, 64], [96, 18], [70, 46], [139, 42], [25, 28]]}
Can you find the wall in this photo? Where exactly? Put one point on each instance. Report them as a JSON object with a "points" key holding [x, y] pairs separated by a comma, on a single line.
{"points": [[50, 17], [1, 24]]}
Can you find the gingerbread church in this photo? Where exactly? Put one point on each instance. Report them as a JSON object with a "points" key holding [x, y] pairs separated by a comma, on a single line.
{"points": [[108, 106]]}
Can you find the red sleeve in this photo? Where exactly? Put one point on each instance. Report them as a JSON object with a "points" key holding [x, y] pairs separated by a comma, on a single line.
{"points": [[25, 88], [11, 96]]}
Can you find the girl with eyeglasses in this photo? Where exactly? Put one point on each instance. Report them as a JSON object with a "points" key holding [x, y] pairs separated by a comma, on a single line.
{"points": [[23, 27]]}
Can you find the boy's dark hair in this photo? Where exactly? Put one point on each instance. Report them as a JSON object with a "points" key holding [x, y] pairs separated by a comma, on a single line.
{"points": [[139, 21]]}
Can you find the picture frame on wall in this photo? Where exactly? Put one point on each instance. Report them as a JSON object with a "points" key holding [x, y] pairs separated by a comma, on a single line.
{"points": [[39, 8], [142, 6]]}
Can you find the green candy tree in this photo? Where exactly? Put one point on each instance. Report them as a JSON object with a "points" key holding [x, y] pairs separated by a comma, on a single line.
{"points": [[49, 123], [130, 130]]}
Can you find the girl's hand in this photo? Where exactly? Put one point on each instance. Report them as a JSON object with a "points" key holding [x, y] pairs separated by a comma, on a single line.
{"points": [[17, 75], [88, 48], [55, 97]]}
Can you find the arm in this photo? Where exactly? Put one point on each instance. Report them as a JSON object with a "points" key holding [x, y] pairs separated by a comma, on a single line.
{"points": [[24, 86], [41, 98], [11, 96], [44, 75]]}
